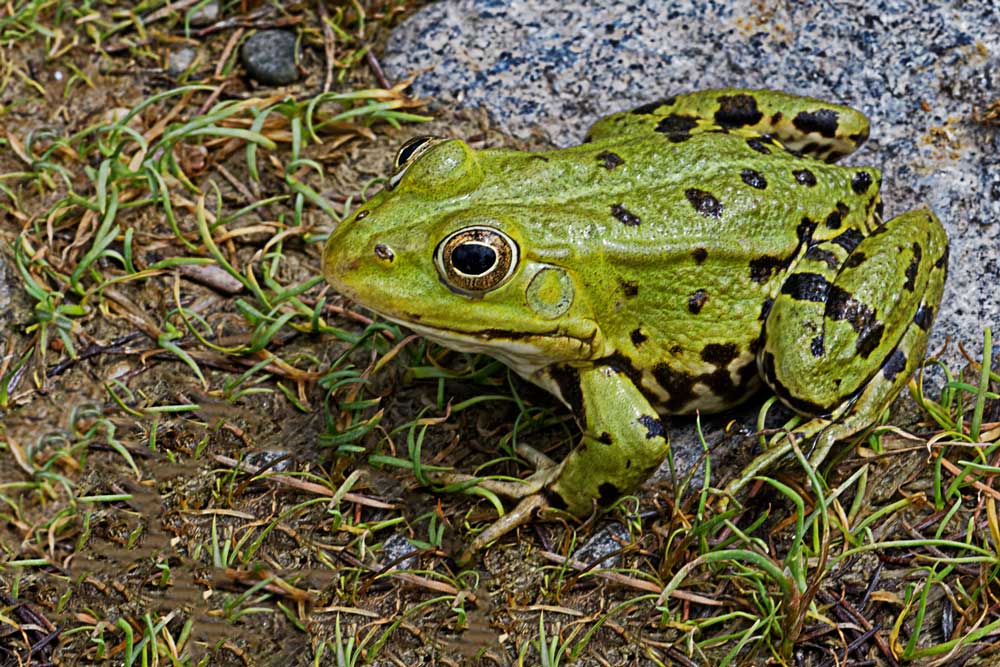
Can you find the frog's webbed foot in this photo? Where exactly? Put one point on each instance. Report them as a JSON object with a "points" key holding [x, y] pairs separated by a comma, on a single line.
{"points": [[602, 467], [863, 324]]}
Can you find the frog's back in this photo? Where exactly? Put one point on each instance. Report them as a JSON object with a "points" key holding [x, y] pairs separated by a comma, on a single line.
{"points": [[697, 230]]}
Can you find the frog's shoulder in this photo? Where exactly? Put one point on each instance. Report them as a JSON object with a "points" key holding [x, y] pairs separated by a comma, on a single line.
{"points": [[819, 129]]}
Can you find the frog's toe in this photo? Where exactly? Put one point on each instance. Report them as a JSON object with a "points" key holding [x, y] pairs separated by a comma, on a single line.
{"points": [[517, 517]]}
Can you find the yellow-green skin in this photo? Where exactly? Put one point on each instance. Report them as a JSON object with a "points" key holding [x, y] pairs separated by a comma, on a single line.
{"points": [[690, 249]]}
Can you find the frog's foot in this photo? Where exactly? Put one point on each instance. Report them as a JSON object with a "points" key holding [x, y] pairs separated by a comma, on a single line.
{"points": [[516, 518], [529, 492], [819, 129], [860, 310], [623, 443], [546, 470]]}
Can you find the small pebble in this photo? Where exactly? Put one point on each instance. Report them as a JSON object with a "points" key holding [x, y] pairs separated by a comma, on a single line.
{"points": [[180, 60], [265, 458], [598, 549], [205, 15], [398, 546], [269, 57]]}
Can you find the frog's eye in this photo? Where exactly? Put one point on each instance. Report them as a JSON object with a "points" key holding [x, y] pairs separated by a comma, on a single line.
{"points": [[411, 150], [408, 153], [476, 259]]}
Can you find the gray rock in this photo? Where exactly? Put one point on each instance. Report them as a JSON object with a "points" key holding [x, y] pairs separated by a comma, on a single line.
{"points": [[400, 552], [180, 60], [269, 57], [598, 549], [266, 459], [205, 14], [919, 70]]}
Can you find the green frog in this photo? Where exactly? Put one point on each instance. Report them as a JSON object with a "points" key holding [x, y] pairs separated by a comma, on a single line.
{"points": [[689, 251]]}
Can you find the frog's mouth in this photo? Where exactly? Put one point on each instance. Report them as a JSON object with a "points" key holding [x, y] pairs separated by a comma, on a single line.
{"points": [[525, 352]]}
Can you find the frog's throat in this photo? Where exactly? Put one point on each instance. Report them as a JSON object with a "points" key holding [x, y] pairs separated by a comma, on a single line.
{"points": [[525, 352]]}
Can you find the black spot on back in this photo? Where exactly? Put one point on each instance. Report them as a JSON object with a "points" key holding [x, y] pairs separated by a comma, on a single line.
{"points": [[624, 215], [942, 261], [869, 338], [762, 268], [697, 301], [841, 305], [824, 122], [704, 202], [856, 259], [758, 145], [679, 384], [638, 338], [650, 107], [737, 111], [654, 427], [719, 354], [924, 317], [805, 230], [913, 267], [754, 179], [629, 287], [699, 255], [804, 177], [609, 493], [677, 127], [894, 365], [816, 346], [609, 160], [849, 239], [817, 254], [604, 438], [806, 287], [836, 217], [765, 309], [861, 182]]}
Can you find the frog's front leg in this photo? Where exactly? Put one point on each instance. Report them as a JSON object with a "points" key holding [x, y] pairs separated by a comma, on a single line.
{"points": [[850, 326], [622, 444]]}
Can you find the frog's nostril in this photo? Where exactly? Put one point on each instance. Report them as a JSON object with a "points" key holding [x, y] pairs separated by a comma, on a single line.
{"points": [[384, 252]]}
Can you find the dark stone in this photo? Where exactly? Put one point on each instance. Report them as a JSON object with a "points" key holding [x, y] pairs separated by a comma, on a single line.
{"points": [[269, 57]]}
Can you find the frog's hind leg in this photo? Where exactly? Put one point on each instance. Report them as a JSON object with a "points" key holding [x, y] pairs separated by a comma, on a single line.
{"points": [[850, 326], [812, 127]]}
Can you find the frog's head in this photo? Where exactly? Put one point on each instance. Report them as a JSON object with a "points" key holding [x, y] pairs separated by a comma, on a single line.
{"points": [[442, 251]]}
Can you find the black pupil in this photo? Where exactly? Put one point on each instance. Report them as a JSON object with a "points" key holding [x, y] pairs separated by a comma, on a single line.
{"points": [[407, 151], [473, 259]]}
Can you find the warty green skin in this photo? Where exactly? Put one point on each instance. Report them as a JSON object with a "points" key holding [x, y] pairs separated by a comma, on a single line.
{"points": [[689, 251]]}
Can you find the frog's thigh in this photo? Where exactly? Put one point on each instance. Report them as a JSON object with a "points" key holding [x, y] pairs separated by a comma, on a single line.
{"points": [[820, 129], [851, 323], [623, 443]]}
